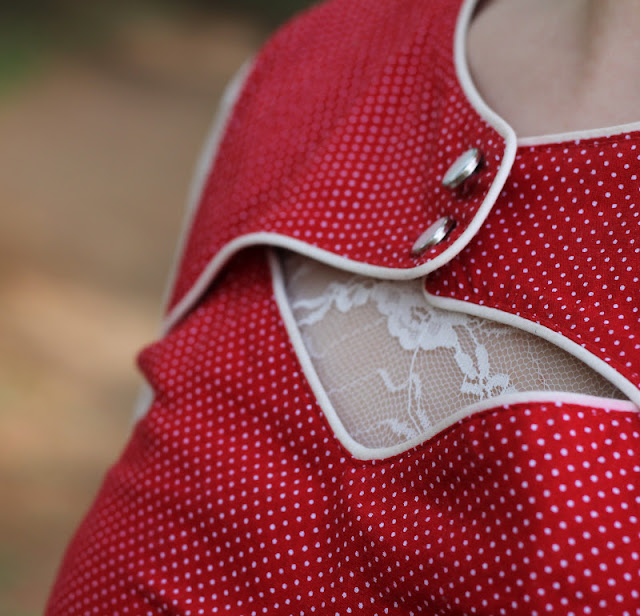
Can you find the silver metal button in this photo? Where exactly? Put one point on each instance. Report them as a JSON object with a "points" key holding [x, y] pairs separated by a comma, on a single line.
{"points": [[463, 168], [435, 234]]}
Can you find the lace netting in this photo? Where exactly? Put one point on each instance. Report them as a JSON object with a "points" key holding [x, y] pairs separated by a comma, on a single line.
{"points": [[395, 367]]}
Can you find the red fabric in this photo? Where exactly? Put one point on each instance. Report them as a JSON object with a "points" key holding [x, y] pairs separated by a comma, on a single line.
{"points": [[341, 137], [235, 497], [562, 248]]}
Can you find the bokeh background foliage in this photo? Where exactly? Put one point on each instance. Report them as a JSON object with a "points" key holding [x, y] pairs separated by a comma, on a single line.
{"points": [[31, 29], [103, 108]]}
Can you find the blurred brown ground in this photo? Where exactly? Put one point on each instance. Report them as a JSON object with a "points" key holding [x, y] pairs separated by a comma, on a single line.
{"points": [[95, 156]]}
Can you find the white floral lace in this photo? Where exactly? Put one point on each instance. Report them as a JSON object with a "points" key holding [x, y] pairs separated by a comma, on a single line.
{"points": [[395, 367]]}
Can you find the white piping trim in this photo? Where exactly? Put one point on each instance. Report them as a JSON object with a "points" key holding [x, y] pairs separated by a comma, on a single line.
{"points": [[577, 135], [361, 452], [198, 179], [495, 314], [204, 165], [327, 257], [145, 399], [216, 133], [365, 269], [475, 98]]}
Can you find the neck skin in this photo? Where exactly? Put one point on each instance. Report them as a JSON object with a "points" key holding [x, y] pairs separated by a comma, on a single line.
{"points": [[553, 66]]}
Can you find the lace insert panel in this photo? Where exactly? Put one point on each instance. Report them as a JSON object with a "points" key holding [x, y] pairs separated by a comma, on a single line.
{"points": [[395, 367]]}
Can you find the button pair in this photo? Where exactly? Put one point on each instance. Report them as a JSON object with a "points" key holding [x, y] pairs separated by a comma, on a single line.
{"points": [[460, 171]]}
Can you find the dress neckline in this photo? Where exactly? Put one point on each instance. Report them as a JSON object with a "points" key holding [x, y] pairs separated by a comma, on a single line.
{"points": [[475, 99]]}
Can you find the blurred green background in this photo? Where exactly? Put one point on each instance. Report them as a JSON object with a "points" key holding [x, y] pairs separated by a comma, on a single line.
{"points": [[103, 108], [32, 29]]}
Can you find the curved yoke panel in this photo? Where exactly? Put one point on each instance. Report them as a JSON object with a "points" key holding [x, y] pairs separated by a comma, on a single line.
{"points": [[234, 497], [339, 142], [561, 248]]}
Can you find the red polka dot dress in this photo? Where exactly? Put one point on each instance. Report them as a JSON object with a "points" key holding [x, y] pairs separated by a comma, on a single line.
{"points": [[240, 492]]}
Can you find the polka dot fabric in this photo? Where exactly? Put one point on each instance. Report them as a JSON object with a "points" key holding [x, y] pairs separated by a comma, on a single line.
{"points": [[234, 497], [561, 248], [341, 138]]}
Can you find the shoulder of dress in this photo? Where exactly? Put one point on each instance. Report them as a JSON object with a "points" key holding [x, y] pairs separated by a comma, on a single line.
{"points": [[338, 145]]}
